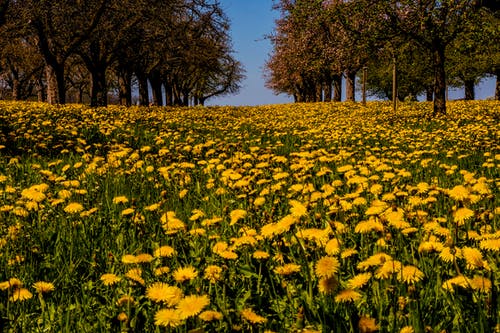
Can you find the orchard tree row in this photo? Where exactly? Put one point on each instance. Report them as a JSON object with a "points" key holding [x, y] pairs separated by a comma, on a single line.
{"points": [[179, 51], [430, 43]]}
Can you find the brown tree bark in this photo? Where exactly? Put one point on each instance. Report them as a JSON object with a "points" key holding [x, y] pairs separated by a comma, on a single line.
{"points": [[429, 94], [469, 90], [440, 81], [98, 90], [350, 82], [327, 91], [169, 94], [143, 89], [53, 94], [337, 88], [155, 80], [124, 87]]}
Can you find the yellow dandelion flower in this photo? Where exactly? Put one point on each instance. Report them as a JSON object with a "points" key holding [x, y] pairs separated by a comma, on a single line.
{"points": [[327, 285], [33, 195], [152, 208], [461, 215], [430, 246], [376, 189], [287, 269], [135, 275], [168, 318], [345, 168], [129, 259], [120, 199], [367, 325], [253, 318], [326, 267], [259, 201], [161, 270], [490, 244], [388, 268], [364, 227], [448, 254], [122, 316], [332, 247], [144, 258], [348, 253], [164, 251], [358, 281], [212, 273], [220, 247], [192, 305], [459, 280], [407, 329], [473, 257], [377, 207], [396, 219], [73, 208], [43, 287], [125, 300], [127, 211], [183, 274], [160, 292], [410, 274], [230, 255], [459, 193], [20, 294], [14, 283], [260, 255], [298, 209], [374, 260], [347, 295], [237, 215], [210, 315], [480, 283]]}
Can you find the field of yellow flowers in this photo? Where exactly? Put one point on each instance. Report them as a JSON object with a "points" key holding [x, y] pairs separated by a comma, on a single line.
{"points": [[285, 218]]}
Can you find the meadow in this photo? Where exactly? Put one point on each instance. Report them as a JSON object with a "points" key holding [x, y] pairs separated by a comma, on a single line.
{"points": [[281, 218]]}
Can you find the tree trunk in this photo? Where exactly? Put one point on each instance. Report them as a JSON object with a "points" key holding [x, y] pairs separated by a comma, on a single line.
{"points": [[337, 88], [429, 94], [469, 90], [124, 87], [51, 85], [169, 94], [80, 95], [155, 80], [40, 89], [16, 87], [350, 82], [98, 90], [440, 81], [143, 89], [497, 85], [56, 88], [185, 98], [327, 91], [318, 93]]}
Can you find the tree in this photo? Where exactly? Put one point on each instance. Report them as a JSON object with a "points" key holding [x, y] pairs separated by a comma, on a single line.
{"points": [[434, 25], [59, 29]]}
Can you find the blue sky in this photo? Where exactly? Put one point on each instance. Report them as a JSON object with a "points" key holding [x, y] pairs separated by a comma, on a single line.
{"points": [[251, 21]]}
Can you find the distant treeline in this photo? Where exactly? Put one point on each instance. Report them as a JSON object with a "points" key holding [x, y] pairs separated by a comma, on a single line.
{"points": [[430, 43], [76, 51]]}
